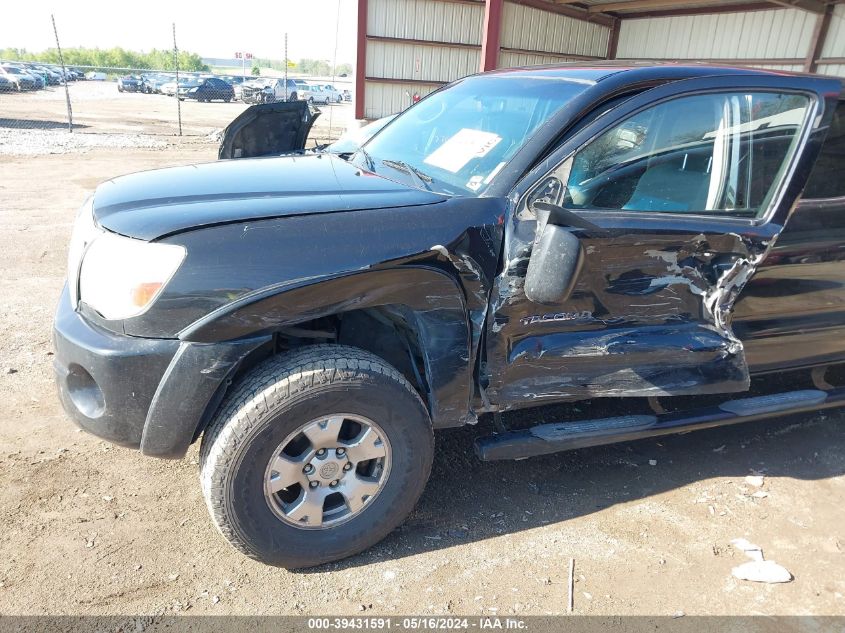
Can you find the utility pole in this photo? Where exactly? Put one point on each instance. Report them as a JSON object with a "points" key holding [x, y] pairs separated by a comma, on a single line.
{"points": [[64, 76], [286, 67], [176, 64]]}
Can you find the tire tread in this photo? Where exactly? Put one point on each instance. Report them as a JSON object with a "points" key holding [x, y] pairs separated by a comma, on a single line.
{"points": [[270, 385]]}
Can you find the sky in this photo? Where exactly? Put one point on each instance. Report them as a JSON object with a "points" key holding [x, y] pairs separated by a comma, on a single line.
{"points": [[210, 29]]}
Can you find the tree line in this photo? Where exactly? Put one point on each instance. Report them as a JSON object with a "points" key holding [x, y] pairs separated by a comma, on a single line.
{"points": [[306, 66], [109, 58]]}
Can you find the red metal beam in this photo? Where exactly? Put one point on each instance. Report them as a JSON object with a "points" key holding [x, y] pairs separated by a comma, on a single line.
{"points": [[573, 56], [568, 11], [492, 34], [361, 60], [613, 39], [728, 8], [393, 80], [437, 43], [817, 42]]}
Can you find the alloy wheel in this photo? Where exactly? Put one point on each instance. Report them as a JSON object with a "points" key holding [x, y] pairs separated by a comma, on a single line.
{"points": [[327, 471]]}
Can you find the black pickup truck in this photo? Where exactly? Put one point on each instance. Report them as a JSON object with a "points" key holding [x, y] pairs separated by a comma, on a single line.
{"points": [[666, 234]]}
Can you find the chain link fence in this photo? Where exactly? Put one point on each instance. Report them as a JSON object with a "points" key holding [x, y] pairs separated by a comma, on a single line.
{"points": [[50, 105]]}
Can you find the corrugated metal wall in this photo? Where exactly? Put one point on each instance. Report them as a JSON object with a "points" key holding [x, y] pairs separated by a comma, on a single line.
{"points": [[834, 45], [777, 34], [413, 46], [426, 20], [382, 99], [528, 29], [417, 45]]}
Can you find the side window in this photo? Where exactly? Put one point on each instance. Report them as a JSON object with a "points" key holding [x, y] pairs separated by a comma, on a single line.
{"points": [[827, 180], [715, 153]]}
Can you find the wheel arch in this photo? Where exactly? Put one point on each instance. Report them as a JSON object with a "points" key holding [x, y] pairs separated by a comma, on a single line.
{"points": [[425, 304]]}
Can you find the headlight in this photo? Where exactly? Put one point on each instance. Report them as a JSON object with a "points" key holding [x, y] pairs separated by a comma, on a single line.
{"points": [[85, 229], [121, 277]]}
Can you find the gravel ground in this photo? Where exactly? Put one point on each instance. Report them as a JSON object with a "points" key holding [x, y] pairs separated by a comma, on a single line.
{"points": [[89, 528], [36, 142]]}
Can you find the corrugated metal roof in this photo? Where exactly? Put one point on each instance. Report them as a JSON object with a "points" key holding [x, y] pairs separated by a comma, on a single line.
{"points": [[664, 5]]}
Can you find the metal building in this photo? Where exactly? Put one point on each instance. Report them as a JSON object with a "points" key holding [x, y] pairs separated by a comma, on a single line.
{"points": [[407, 48]]}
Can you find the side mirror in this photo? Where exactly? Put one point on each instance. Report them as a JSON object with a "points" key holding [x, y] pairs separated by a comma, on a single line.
{"points": [[557, 255], [554, 265]]}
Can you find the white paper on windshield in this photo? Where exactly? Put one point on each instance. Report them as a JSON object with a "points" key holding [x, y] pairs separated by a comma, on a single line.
{"points": [[462, 148]]}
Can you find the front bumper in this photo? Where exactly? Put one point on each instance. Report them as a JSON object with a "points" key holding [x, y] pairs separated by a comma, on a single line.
{"points": [[149, 394], [107, 381]]}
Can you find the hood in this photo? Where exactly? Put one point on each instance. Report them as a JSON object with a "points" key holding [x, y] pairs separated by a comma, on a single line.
{"points": [[151, 204], [268, 129]]}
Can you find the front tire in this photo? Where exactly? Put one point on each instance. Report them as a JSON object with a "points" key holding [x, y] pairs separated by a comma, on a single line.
{"points": [[315, 456]]}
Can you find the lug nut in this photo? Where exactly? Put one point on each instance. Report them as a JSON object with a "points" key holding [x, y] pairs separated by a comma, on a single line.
{"points": [[340, 452], [314, 484], [347, 466], [321, 452], [308, 469], [334, 484]]}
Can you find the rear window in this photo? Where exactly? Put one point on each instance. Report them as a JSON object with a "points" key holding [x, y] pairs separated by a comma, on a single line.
{"points": [[827, 180]]}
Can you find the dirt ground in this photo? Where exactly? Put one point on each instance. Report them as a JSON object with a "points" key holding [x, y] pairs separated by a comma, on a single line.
{"points": [[88, 528]]}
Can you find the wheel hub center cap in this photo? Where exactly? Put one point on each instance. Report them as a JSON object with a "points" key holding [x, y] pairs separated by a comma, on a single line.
{"points": [[329, 470]]}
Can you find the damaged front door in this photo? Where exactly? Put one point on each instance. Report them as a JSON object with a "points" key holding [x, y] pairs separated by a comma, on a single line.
{"points": [[667, 204]]}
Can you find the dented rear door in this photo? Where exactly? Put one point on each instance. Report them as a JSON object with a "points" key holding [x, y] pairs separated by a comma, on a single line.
{"points": [[688, 186]]}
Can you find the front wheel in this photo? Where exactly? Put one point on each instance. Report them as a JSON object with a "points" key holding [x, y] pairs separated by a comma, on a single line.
{"points": [[315, 456]]}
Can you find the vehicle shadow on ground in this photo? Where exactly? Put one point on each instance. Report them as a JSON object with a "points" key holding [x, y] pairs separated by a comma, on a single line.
{"points": [[30, 124], [468, 500]]}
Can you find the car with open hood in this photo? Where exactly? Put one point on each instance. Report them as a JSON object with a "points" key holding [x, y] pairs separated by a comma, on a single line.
{"points": [[668, 237]]}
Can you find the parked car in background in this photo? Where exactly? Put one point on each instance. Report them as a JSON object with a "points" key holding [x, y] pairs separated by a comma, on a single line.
{"points": [[27, 69], [347, 95], [130, 83], [54, 78], [153, 82], [95, 76], [302, 89], [268, 90], [238, 83], [185, 83], [316, 94], [332, 93], [209, 89], [18, 79]]}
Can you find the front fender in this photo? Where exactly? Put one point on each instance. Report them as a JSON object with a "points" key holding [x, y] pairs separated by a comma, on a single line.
{"points": [[431, 296]]}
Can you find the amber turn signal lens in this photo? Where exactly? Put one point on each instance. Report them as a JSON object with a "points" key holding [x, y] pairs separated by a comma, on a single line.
{"points": [[143, 293]]}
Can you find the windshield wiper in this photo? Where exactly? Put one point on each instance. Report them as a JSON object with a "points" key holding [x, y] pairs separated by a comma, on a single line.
{"points": [[401, 165]]}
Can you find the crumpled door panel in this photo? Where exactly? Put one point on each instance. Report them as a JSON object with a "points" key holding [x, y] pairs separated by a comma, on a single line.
{"points": [[649, 316]]}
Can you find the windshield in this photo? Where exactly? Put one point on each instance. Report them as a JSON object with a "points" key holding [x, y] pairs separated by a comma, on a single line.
{"points": [[351, 140], [457, 139]]}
